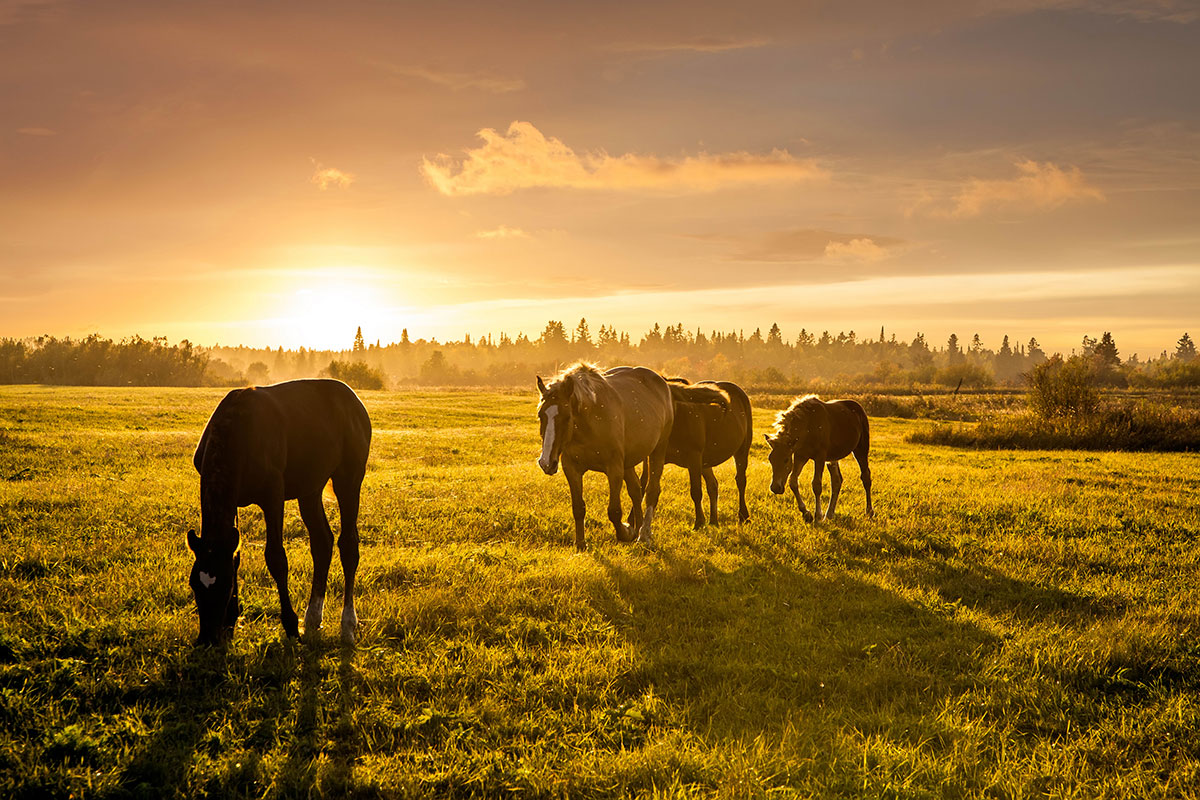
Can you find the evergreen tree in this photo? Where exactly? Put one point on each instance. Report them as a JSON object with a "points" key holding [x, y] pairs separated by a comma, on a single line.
{"points": [[1185, 348], [775, 336], [582, 337], [1105, 351], [359, 345]]}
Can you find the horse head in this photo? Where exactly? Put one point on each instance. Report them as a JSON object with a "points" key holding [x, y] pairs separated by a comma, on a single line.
{"points": [[214, 582], [554, 419], [781, 457]]}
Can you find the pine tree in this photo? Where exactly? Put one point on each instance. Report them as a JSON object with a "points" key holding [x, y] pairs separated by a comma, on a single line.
{"points": [[1185, 348], [1106, 351], [359, 345]]}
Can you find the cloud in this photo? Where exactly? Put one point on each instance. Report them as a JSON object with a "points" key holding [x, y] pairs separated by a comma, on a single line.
{"points": [[1041, 186], [502, 232], [862, 249], [328, 177], [461, 80], [807, 244], [35, 131], [524, 158], [699, 44]]}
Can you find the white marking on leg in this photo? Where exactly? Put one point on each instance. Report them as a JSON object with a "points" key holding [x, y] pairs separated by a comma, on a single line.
{"points": [[548, 440], [646, 535], [207, 580], [349, 621], [314, 616]]}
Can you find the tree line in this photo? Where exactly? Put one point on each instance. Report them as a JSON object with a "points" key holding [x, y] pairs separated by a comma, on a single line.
{"points": [[756, 359]]}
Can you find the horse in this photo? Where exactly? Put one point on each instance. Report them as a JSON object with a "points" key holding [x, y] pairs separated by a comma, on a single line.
{"points": [[262, 446], [811, 429], [607, 422], [708, 433]]}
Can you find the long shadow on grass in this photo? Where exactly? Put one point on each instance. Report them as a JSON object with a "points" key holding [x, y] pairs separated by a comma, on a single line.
{"points": [[749, 650], [199, 691], [302, 775]]}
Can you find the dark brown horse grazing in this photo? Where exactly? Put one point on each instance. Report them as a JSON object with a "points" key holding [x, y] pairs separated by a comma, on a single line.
{"points": [[607, 422], [811, 429], [262, 446], [709, 430]]}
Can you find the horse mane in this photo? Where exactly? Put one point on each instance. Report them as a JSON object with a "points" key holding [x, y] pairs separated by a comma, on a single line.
{"points": [[795, 415], [585, 380]]}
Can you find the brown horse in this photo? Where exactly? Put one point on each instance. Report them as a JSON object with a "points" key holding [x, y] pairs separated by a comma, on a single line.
{"points": [[709, 431], [262, 446], [607, 422], [811, 429]]}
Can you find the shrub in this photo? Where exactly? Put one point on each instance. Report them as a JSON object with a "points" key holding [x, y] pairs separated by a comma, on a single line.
{"points": [[1059, 388], [1131, 425], [356, 374]]}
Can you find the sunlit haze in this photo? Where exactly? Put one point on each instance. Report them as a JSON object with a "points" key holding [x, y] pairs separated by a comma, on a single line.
{"points": [[281, 174]]}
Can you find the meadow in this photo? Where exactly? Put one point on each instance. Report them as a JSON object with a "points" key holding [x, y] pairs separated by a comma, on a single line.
{"points": [[1011, 624]]}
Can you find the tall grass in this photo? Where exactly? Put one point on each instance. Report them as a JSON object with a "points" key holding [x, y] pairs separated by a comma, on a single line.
{"points": [[1011, 625]]}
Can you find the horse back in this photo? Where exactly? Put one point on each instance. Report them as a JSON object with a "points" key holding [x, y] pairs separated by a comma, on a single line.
{"points": [[646, 407], [303, 432], [848, 428]]}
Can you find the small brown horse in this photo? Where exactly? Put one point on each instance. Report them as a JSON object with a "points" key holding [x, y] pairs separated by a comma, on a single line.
{"points": [[811, 429], [262, 446], [709, 431], [607, 422]]}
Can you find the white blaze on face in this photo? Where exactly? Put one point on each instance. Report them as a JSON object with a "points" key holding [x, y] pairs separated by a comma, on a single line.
{"points": [[207, 580], [548, 439]]}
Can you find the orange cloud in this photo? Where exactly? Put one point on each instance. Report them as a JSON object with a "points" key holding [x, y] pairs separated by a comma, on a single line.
{"points": [[1042, 186], [461, 80], [328, 177], [36, 131], [502, 232], [855, 250], [524, 158], [700, 44]]}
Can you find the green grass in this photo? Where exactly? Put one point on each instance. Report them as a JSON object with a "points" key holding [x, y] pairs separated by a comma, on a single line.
{"points": [[1013, 624]]}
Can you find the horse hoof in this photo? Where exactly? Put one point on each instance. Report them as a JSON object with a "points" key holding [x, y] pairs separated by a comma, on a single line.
{"points": [[808, 517]]}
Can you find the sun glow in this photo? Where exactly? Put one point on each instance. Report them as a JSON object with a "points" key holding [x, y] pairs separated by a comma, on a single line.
{"points": [[327, 308]]}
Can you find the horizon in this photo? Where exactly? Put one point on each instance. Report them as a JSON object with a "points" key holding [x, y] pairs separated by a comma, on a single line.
{"points": [[279, 177]]}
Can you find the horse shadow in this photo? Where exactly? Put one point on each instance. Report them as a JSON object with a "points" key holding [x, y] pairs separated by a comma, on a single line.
{"points": [[276, 692], [749, 649]]}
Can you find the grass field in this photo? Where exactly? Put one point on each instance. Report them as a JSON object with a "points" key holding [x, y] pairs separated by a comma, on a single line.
{"points": [[1012, 624]]}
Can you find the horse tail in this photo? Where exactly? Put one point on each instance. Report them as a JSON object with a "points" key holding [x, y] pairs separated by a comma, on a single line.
{"points": [[864, 439], [702, 395]]}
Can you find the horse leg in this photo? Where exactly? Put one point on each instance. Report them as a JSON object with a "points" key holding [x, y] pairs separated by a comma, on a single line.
{"points": [[865, 472], [616, 476], [320, 542], [697, 492], [637, 491], [710, 482], [818, 471], [741, 461], [794, 485], [276, 558], [655, 464], [348, 490], [574, 478], [835, 486]]}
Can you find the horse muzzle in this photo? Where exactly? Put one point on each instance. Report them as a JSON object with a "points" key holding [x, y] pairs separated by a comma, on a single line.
{"points": [[777, 488], [548, 468]]}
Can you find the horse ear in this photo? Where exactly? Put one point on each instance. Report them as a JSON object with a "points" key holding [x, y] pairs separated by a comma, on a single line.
{"points": [[193, 541], [541, 385]]}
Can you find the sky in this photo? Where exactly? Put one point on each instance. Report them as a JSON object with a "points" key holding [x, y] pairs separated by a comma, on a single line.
{"points": [[282, 173]]}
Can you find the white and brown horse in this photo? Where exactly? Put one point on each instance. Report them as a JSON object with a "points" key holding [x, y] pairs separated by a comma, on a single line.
{"points": [[607, 422], [262, 446], [812, 430]]}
